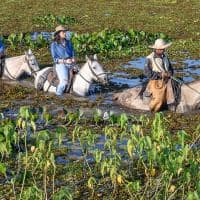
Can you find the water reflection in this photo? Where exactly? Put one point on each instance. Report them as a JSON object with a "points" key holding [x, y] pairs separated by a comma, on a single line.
{"points": [[121, 81], [191, 67], [137, 63]]}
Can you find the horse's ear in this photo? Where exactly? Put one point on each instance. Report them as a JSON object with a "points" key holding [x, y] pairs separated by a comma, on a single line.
{"points": [[87, 58], [29, 52], [26, 53], [95, 57]]}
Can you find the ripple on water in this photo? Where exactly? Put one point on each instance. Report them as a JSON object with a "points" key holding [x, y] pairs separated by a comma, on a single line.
{"points": [[137, 63], [192, 63], [121, 81], [191, 67]]}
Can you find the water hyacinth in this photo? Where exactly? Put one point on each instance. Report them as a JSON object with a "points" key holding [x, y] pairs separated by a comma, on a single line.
{"points": [[108, 43]]}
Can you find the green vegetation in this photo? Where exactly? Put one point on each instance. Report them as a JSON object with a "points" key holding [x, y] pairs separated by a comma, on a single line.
{"points": [[114, 43], [178, 20], [107, 43], [50, 21], [139, 159]]}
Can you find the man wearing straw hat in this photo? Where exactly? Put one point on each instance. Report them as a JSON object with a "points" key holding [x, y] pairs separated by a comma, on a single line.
{"points": [[157, 64], [63, 54], [158, 70]]}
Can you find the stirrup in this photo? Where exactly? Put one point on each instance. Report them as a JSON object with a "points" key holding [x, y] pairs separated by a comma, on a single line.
{"points": [[68, 88]]}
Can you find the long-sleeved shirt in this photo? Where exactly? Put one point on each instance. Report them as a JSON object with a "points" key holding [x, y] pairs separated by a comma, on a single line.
{"points": [[2, 48], [148, 69], [60, 51]]}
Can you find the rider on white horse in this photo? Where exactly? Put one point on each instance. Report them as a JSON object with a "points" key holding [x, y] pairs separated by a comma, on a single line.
{"points": [[2, 57], [63, 55]]}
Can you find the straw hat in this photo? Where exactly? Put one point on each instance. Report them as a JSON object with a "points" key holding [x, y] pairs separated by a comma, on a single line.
{"points": [[160, 44], [60, 28]]}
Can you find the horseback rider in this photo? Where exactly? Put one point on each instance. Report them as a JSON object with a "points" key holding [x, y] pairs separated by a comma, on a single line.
{"points": [[2, 57], [157, 64], [158, 70], [63, 55]]}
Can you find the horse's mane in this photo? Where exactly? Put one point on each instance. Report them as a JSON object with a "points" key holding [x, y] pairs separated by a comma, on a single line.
{"points": [[15, 58], [15, 61]]}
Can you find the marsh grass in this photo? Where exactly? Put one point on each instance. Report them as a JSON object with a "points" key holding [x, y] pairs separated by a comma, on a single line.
{"points": [[140, 158]]}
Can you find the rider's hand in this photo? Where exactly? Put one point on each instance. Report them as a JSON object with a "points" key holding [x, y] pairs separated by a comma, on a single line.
{"points": [[68, 61], [165, 74], [73, 60]]}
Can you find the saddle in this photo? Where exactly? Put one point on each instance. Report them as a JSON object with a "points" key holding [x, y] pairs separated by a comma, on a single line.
{"points": [[51, 76]]}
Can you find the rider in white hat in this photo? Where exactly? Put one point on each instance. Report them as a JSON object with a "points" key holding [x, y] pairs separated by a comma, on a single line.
{"points": [[157, 63], [158, 67]]}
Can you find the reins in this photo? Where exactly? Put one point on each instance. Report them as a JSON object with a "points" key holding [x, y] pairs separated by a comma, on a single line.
{"points": [[34, 72], [182, 83], [96, 75]]}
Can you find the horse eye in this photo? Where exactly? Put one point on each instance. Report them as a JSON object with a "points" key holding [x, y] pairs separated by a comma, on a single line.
{"points": [[94, 67]]}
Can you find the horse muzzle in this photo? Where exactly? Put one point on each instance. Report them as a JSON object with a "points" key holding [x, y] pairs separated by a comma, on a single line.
{"points": [[104, 80]]}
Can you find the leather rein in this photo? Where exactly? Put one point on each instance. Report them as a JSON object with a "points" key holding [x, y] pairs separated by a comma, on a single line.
{"points": [[96, 75]]}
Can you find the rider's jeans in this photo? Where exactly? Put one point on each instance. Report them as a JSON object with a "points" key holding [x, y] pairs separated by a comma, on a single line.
{"points": [[62, 72]]}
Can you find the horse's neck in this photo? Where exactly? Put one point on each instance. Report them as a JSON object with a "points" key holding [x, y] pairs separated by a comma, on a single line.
{"points": [[195, 83], [191, 88], [190, 96], [82, 81], [14, 67]]}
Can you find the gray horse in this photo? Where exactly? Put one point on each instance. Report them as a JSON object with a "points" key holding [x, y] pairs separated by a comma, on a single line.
{"points": [[14, 67], [189, 101]]}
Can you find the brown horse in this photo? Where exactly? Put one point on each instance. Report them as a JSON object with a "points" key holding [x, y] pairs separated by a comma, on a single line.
{"points": [[190, 98]]}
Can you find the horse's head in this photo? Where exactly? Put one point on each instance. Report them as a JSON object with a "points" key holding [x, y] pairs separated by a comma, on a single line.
{"points": [[96, 69], [32, 67]]}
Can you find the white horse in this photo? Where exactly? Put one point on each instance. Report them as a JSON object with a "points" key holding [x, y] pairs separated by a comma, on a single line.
{"points": [[15, 67], [91, 71], [189, 101]]}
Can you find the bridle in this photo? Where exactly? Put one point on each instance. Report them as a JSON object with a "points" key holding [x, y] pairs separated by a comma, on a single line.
{"points": [[34, 72], [95, 75]]}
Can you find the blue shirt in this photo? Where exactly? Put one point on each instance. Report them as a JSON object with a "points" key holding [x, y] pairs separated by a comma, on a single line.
{"points": [[2, 48], [59, 51]]}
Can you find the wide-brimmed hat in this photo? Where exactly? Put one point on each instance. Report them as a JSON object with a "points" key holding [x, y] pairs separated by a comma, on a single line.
{"points": [[60, 28], [160, 44]]}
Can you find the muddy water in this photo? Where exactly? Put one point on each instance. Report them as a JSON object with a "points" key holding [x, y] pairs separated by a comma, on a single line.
{"points": [[75, 151], [118, 81], [190, 70]]}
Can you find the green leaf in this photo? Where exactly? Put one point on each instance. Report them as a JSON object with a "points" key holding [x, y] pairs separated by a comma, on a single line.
{"points": [[3, 169]]}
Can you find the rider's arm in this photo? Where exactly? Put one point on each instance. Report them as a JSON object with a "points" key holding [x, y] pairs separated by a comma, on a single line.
{"points": [[54, 54], [149, 73], [70, 44], [70, 49], [171, 70], [2, 48]]}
